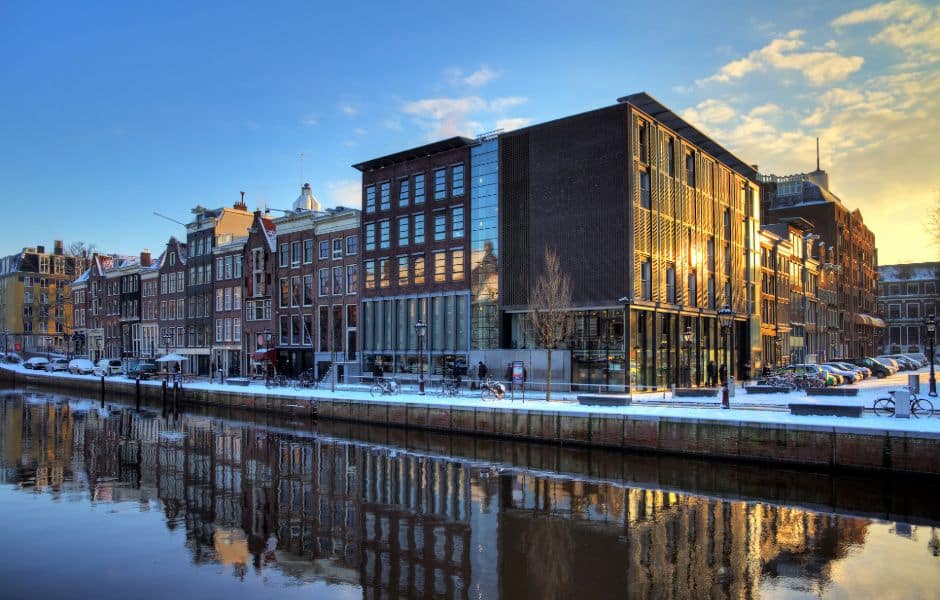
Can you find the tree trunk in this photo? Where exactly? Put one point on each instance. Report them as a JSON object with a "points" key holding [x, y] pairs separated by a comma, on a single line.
{"points": [[548, 378]]}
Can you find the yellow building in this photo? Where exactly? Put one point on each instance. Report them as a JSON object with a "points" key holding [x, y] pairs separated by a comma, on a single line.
{"points": [[36, 300]]}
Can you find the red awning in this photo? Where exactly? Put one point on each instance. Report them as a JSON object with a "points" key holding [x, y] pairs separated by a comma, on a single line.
{"points": [[265, 354]]}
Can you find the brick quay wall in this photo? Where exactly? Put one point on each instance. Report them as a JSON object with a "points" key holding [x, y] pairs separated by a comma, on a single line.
{"points": [[841, 447]]}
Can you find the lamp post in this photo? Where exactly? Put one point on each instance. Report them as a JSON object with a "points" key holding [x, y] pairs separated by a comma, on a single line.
{"points": [[267, 347], [931, 324], [778, 344], [421, 329], [626, 300], [725, 319], [688, 338]]}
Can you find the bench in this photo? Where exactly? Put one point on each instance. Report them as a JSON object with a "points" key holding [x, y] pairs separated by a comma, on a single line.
{"points": [[767, 389], [696, 392], [832, 391], [242, 381], [604, 399], [827, 409]]}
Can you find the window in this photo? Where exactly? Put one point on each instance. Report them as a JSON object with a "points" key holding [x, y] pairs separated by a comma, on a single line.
{"points": [[370, 236], [693, 290], [646, 282], [337, 248], [236, 268], [913, 310], [727, 223], [403, 276], [456, 180], [282, 260], [370, 199], [236, 298], [419, 229], [218, 299], [440, 226], [385, 240], [352, 244], [440, 267], [228, 299], [912, 289], [324, 252], [352, 279], [308, 251], [337, 280], [456, 265], [324, 286], [403, 192], [295, 290], [403, 235], [385, 195], [645, 196], [308, 290], [671, 157], [218, 330], [172, 259], [440, 184], [284, 322], [711, 291], [690, 169], [671, 284], [228, 267], [295, 255], [419, 188], [369, 267], [456, 225], [643, 141], [285, 292], [385, 277], [418, 269], [220, 265]]}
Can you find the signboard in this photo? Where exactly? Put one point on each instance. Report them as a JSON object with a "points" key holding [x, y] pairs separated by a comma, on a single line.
{"points": [[518, 372]]}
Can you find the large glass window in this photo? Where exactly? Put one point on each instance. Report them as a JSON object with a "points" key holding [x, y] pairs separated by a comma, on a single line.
{"points": [[403, 192], [456, 180], [419, 228], [284, 293], [385, 195], [419, 188], [440, 184], [440, 226], [370, 199], [456, 226]]}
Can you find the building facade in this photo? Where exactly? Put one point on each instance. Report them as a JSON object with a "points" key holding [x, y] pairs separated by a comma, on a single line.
{"points": [[36, 310], [907, 294], [227, 349], [260, 266], [173, 299]]}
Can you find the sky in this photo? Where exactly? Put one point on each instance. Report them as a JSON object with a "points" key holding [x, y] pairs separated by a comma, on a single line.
{"points": [[111, 111]]}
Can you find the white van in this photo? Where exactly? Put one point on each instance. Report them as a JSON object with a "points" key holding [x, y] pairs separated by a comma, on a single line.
{"points": [[108, 366]]}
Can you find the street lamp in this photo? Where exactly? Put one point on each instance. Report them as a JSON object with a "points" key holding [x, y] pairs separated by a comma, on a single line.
{"points": [[778, 344], [626, 300], [725, 319], [267, 346], [931, 324], [688, 338], [421, 329]]}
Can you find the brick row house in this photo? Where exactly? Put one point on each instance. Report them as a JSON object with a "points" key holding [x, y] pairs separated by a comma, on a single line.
{"points": [[172, 299], [259, 271], [227, 285], [150, 339]]}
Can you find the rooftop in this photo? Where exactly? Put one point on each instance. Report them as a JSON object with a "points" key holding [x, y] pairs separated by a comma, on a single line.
{"points": [[413, 153]]}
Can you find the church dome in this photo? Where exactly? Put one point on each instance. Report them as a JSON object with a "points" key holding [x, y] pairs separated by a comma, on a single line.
{"points": [[306, 200]]}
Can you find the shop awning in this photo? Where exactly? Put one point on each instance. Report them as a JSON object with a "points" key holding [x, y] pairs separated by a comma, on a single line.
{"points": [[862, 319], [876, 322], [265, 354]]}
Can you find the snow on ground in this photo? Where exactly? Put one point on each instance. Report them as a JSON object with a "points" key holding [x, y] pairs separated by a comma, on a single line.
{"points": [[749, 408]]}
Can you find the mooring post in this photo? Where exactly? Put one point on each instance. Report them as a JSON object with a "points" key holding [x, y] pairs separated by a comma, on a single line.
{"points": [[163, 393], [137, 392], [176, 389], [102, 390]]}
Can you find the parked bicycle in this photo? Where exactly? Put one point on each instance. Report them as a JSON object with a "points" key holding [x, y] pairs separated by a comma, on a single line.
{"points": [[307, 379], [492, 390], [277, 381], [449, 387], [920, 407], [383, 386]]}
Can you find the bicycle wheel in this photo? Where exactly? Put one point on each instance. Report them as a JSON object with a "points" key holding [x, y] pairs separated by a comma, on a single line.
{"points": [[884, 407], [298, 384], [376, 389], [921, 407], [487, 394]]}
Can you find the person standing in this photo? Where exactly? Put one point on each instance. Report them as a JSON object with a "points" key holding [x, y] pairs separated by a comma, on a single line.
{"points": [[712, 373], [482, 372], [723, 374]]}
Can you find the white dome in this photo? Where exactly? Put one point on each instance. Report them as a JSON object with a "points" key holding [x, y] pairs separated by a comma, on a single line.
{"points": [[306, 200]]}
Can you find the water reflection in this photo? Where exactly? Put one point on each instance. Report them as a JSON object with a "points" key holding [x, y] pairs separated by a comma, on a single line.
{"points": [[390, 522]]}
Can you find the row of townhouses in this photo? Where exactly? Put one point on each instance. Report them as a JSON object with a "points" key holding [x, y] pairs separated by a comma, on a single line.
{"points": [[656, 225]]}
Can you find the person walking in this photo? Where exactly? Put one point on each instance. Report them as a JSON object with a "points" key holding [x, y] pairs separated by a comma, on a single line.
{"points": [[712, 373], [723, 374], [482, 372]]}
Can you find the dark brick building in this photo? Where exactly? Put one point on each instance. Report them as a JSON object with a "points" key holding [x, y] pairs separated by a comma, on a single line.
{"points": [[260, 272], [907, 293], [173, 298]]}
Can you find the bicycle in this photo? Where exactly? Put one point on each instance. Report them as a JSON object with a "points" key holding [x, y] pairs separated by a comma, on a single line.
{"points": [[920, 407], [449, 387], [307, 379], [383, 387], [276, 381], [492, 390]]}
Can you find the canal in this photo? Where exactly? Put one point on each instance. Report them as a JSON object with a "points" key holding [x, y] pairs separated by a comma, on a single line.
{"points": [[109, 502]]}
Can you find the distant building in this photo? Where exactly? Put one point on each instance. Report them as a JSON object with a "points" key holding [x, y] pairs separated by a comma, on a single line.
{"points": [[849, 243], [36, 299], [907, 293]]}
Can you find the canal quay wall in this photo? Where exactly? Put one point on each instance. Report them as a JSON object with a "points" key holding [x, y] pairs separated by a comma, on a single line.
{"points": [[816, 445]]}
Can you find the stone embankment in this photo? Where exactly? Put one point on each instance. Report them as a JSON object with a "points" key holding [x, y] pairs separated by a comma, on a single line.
{"points": [[821, 442]]}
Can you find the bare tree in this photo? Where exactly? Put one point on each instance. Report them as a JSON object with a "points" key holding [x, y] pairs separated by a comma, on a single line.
{"points": [[80, 248], [933, 223], [549, 316]]}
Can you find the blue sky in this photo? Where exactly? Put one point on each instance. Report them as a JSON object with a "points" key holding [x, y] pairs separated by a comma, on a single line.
{"points": [[112, 110]]}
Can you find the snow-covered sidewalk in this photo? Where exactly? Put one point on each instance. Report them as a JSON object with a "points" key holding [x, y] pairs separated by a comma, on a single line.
{"points": [[750, 408]]}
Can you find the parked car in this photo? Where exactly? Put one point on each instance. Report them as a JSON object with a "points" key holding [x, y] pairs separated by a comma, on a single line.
{"points": [[892, 364], [907, 363], [57, 364], [144, 370], [81, 366], [810, 370], [864, 372], [36, 363], [108, 366], [12, 358], [920, 357], [877, 368], [848, 375]]}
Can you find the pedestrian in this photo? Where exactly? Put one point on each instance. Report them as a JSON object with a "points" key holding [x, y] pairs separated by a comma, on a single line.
{"points": [[712, 373], [481, 372], [723, 374], [378, 371]]}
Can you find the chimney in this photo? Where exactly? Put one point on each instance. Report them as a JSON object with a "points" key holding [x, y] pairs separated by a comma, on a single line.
{"points": [[145, 258], [40, 249], [59, 248], [240, 205]]}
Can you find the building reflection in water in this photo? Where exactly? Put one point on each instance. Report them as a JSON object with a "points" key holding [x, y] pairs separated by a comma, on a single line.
{"points": [[404, 524]]}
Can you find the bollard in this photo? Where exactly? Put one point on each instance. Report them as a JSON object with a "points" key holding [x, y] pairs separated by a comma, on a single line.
{"points": [[730, 386], [902, 404], [913, 382], [137, 393], [163, 393], [102, 390], [176, 388]]}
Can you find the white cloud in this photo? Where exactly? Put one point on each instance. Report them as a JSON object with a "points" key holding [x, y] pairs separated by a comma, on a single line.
{"points": [[360, 131], [445, 117], [513, 123], [909, 26], [481, 76], [393, 124], [348, 109], [310, 120], [709, 112], [344, 192], [784, 54], [501, 104], [898, 9]]}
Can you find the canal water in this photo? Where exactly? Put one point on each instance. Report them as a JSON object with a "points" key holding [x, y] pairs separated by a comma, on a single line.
{"points": [[115, 503]]}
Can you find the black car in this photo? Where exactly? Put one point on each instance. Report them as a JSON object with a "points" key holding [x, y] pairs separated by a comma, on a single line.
{"points": [[877, 369], [142, 370]]}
